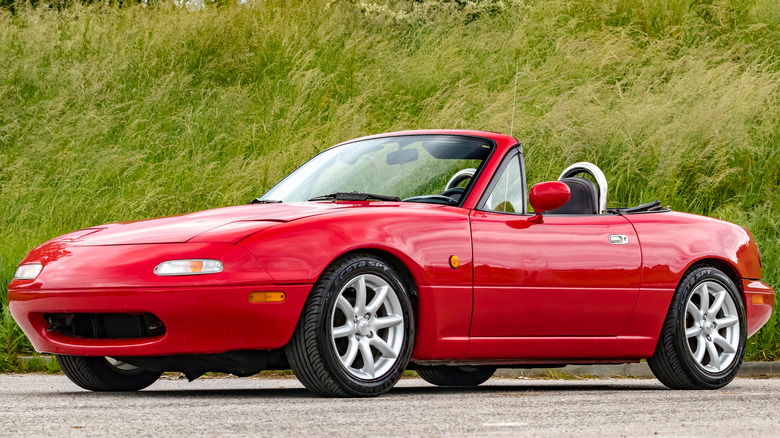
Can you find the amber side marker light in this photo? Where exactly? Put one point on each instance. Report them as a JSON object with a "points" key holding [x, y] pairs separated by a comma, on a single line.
{"points": [[266, 297], [454, 261], [757, 299]]}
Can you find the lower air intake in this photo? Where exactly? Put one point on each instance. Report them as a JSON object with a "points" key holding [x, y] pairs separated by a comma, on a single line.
{"points": [[105, 325]]}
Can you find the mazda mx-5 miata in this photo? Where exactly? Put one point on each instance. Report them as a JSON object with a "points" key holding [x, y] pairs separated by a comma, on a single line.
{"points": [[408, 250]]}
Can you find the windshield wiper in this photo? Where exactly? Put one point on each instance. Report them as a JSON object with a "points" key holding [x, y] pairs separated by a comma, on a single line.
{"points": [[265, 201], [354, 196]]}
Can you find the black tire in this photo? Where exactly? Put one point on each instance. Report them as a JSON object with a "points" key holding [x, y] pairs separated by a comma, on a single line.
{"points": [[673, 362], [311, 351], [457, 376], [97, 374]]}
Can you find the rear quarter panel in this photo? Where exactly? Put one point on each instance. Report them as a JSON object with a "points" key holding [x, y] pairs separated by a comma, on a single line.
{"points": [[671, 243]]}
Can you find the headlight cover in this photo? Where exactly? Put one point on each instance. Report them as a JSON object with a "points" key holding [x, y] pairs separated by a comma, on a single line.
{"points": [[28, 271], [188, 267]]}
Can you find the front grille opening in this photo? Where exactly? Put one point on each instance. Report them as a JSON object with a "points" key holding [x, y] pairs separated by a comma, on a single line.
{"points": [[105, 325]]}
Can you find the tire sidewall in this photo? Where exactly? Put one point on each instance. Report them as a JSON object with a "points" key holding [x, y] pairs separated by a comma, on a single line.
{"points": [[120, 380], [694, 370], [94, 373], [457, 376], [357, 386]]}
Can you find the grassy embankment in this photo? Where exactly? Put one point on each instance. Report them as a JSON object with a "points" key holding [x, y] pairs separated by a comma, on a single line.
{"points": [[112, 114]]}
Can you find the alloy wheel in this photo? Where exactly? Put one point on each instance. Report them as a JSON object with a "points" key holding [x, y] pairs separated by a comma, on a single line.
{"points": [[367, 327], [712, 330]]}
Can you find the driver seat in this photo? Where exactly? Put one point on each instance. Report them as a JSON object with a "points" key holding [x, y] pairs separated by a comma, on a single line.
{"points": [[583, 200]]}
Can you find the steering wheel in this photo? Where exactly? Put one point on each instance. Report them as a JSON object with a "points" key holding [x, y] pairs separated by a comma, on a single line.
{"points": [[459, 177], [452, 189]]}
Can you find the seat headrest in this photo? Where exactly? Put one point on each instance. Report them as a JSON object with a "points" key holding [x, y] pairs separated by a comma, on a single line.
{"points": [[583, 200]]}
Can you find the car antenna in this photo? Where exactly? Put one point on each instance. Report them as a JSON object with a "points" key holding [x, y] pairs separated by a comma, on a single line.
{"points": [[514, 96]]}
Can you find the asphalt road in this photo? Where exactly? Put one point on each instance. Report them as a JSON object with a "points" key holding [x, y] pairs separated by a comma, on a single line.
{"points": [[49, 405]]}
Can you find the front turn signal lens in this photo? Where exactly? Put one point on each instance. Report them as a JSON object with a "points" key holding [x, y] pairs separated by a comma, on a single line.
{"points": [[28, 271], [188, 267]]}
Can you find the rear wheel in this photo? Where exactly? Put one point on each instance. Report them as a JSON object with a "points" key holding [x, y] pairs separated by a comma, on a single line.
{"points": [[105, 373], [702, 342], [355, 335], [457, 376]]}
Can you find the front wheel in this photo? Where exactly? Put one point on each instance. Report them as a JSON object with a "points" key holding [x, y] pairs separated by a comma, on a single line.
{"points": [[457, 376], [702, 342], [105, 373], [355, 335]]}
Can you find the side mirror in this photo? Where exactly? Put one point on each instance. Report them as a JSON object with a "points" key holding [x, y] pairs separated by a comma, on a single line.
{"points": [[547, 196]]}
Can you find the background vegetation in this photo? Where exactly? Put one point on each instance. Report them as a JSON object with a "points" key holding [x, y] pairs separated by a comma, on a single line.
{"points": [[114, 112]]}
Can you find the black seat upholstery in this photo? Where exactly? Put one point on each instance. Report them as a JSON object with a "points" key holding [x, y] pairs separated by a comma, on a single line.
{"points": [[583, 200]]}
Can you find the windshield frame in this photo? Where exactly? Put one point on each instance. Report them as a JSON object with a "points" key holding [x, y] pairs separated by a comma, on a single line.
{"points": [[461, 201]]}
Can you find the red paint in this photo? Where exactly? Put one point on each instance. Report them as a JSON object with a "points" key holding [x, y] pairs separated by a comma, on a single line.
{"points": [[758, 311], [548, 196], [132, 266], [524, 292], [559, 278], [562, 349], [198, 319], [672, 242]]}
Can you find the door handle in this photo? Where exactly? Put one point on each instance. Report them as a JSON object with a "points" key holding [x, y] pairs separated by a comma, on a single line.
{"points": [[618, 239]]}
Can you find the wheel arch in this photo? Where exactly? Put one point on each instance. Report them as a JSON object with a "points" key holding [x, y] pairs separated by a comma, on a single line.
{"points": [[722, 265], [392, 259], [299, 349], [400, 267]]}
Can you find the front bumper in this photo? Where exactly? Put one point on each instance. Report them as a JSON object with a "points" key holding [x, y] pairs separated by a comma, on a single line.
{"points": [[759, 302], [198, 320]]}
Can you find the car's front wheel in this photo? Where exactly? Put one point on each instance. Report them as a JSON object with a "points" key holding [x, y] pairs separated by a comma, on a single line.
{"points": [[703, 338], [105, 373], [355, 335]]}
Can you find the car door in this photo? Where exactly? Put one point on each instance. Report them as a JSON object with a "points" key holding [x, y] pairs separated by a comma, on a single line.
{"points": [[572, 275]]}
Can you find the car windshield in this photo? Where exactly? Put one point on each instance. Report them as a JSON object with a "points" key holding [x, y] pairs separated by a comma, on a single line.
{"points": [[416, 168]]}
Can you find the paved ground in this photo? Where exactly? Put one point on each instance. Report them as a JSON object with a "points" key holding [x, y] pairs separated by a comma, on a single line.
{"points": [[38, 405]]}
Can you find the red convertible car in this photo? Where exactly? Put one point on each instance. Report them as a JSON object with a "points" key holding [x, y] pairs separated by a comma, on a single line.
{"points": [[408, 250]]}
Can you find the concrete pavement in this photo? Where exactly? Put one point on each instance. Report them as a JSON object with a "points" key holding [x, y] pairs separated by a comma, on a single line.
{"points": [[50, 405]]}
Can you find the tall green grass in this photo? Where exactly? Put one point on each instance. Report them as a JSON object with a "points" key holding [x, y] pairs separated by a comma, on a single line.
{"points": [[110, 113]]}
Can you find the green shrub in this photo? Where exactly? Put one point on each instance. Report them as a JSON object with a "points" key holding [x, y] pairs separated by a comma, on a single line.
{"points": [[52, 366]]}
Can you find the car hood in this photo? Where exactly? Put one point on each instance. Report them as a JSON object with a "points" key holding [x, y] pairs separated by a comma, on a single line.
{"points": [[183, 228]]}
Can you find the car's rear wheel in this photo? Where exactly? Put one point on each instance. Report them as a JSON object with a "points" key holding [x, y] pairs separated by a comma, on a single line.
{"points": [[457, 376], [702, 342], [355, 335], [105, 373]]}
